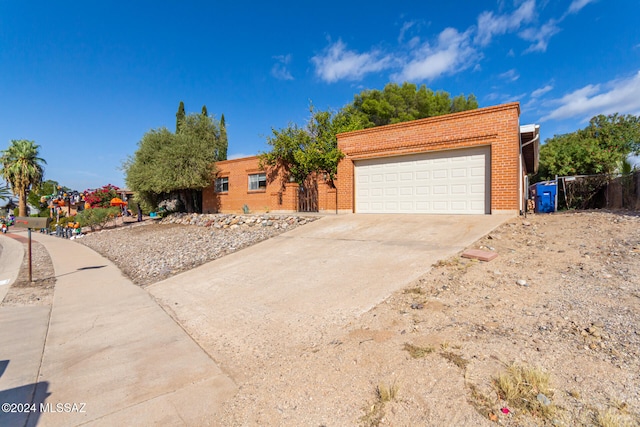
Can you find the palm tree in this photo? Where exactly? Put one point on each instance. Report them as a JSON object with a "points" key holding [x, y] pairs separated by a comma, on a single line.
{"points": [[5, 193], [22, 169]]}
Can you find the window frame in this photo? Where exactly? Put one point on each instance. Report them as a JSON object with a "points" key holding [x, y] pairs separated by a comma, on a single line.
{"points": [[261, 178], [220, 184]]}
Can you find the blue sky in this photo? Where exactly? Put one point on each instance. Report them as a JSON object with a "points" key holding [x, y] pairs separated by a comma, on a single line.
{"points": [[86, 80]]}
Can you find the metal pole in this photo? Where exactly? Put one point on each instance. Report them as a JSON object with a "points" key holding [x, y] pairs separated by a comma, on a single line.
{"points": [[29, 234]]}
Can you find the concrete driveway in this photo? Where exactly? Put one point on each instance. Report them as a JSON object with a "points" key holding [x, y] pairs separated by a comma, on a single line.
{"points": [[293, 289]]}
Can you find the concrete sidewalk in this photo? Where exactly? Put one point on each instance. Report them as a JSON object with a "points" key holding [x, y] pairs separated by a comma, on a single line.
{"points": [[112, 355]]}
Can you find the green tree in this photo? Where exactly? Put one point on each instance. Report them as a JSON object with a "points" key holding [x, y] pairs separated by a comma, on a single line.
{"points": [[22, 169], [204, 111], [224, 142], [179, 164], [206, 129], [180, 115], [395, 104], [39, 196], [600, 148], [298, 152]]}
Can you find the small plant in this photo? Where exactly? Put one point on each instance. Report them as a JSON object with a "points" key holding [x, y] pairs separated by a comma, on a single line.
{"points": [[375, 413], [97, 217], [611, 418], [480, 401], [387, 393], [417, 290], [418, 352], [456, 359], [526, 388]]}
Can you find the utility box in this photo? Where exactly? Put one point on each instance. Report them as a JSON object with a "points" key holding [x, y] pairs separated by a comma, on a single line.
{"points": [[546, 196]]}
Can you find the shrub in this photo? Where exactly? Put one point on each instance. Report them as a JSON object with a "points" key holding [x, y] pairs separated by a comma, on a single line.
{"points": [[97, 217]]}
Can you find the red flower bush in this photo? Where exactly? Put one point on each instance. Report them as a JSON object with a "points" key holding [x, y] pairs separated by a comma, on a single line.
{"points": [[101, 198]]}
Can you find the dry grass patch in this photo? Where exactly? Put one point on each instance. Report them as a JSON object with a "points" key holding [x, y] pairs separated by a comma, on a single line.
{"points": [[418, 352], [455, 358], [526, 388], [374, 414], [417, 290], [612, 418]]}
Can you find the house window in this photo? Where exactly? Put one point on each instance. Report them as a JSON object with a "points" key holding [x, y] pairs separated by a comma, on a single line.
{"points": [[222, 185], [258, 181]]}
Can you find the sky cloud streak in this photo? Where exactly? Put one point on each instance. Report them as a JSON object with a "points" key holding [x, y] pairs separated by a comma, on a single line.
{"points": [[617, 96], [337, 63]]}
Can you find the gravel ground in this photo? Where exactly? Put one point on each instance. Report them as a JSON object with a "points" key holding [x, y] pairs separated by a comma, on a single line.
{"points": [[40, 290], [150, 252]]}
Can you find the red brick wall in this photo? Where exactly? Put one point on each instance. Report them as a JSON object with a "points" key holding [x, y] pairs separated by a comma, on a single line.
{"points": [[495, 126], [232, 201], [274, 199]]}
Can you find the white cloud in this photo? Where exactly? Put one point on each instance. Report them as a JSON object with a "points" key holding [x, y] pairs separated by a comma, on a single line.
{"points": [[405, 27], [337, 63], [452, 53], [280, 70], [539, 92], [490, 25], [577, 5], [618, 96], [511, 75], [540, 36]]}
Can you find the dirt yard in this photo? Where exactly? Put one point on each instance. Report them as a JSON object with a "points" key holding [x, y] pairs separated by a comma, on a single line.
{"points": [[547, 333]]}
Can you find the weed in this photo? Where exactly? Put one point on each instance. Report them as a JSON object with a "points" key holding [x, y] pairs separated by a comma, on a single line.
{"points": [[417, 290], [375, 413], [521, 386], [453, 261], [418, 352], [386, 393], [611, 418], [480, 401], [456, 359]]}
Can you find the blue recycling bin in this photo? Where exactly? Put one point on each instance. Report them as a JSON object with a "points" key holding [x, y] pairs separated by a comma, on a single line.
{"points": [[546, 196]]}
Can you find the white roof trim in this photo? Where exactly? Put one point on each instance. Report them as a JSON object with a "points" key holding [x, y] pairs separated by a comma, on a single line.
{"points": [[529, 128]]}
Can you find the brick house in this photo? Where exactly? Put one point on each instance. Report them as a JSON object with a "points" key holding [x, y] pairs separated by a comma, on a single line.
{"points": [[472, 162]]}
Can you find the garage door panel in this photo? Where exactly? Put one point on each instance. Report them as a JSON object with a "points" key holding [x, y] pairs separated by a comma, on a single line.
{"points": [[456, 181], [477, 171], [459, 205], [440, 174], [422, 191], [459, 189]]}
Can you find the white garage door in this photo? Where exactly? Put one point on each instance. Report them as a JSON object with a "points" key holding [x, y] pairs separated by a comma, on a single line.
{"points": [[455, 182]]}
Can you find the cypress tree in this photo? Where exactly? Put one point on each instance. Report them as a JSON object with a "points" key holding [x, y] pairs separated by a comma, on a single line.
{"points": [[204, 110], [180, 115], [224, 143]]}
